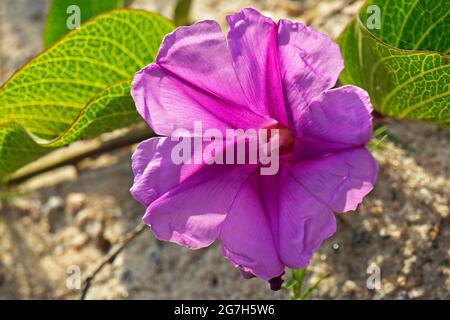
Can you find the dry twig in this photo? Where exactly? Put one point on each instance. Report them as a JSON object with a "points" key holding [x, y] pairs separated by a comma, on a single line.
{"points": [[109, 258]]}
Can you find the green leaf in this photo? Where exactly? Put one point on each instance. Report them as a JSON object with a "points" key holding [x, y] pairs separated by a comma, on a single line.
{"points": [[404, 65], [61, 15], [182, 12], [77, 88]]}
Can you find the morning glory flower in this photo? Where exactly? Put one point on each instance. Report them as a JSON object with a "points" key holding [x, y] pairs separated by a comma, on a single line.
{"points": [[261, 75]]}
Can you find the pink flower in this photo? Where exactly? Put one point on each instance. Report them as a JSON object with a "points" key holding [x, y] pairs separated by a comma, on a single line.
{"points": [[263, 75]]}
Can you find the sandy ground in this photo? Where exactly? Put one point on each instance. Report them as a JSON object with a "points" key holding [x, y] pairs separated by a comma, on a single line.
{"points": [[68, 219]]}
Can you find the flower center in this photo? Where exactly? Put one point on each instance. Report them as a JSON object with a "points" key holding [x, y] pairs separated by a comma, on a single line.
{"points": [[286, 138]]}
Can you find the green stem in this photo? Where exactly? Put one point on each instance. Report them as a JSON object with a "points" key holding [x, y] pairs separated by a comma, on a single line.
{"points": [[307, 293], [295, 284], [299, 276]]}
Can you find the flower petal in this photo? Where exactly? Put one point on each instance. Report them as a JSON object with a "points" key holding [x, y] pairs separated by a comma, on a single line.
{"points": [[199, 55], [154, 171], [193, 80], [340, 180], [304, 222], [246, 234], [336, 120], [168, 103], [252, 42], [191, 213], [310, 62]]}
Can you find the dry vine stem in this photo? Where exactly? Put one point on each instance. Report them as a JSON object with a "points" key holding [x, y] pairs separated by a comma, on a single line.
{"points": [[109, 258], [91, 148]]}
